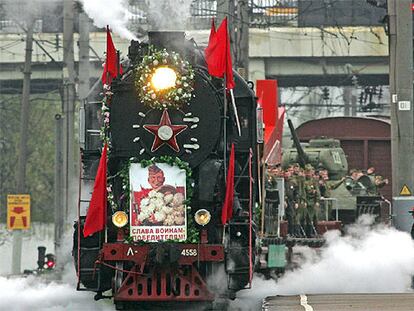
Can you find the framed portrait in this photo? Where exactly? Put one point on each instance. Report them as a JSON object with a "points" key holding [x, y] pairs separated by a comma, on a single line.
{"points": [[157, 202]]}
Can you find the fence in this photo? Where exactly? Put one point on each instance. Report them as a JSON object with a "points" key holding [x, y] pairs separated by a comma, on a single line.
{"points": [[262, 14]]}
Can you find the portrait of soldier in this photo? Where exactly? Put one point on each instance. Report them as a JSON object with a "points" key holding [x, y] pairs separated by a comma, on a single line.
{"points": [[155, 202]]}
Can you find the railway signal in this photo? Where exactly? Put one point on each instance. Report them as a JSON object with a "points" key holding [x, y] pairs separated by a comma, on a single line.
{"points": [[50, 261], [45, 262], [41, 251]]}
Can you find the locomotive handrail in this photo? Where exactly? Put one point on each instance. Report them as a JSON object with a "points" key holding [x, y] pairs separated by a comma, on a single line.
{"points": [[99, 262], [334, 204], [250, 216], [79, 225]]}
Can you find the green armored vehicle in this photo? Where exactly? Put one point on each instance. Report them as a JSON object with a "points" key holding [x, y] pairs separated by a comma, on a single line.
{"points": [[349, 196]]}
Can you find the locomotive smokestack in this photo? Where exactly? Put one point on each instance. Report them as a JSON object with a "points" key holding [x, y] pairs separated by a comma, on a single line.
{"points": [[170, 40]]}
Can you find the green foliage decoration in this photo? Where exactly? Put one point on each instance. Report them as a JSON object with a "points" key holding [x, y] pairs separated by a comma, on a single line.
{"points": [[174, 97]]}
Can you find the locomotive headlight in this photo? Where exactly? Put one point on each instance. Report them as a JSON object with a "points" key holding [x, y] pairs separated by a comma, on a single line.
{"points": [[119, 219], [202, 217], [163, 78]]}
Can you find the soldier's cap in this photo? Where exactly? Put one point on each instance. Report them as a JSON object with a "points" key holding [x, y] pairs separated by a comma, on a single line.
{"points": [[308, 167], [411, 211]]}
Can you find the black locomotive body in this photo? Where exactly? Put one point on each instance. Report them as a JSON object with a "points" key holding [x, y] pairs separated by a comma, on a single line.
{"points": [[199, 134]]}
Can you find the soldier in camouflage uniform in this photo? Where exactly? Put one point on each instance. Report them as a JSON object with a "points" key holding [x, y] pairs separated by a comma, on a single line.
{"points": [[312, 201], [297, 179], [290, 200], [377, 181], [325, 192]]}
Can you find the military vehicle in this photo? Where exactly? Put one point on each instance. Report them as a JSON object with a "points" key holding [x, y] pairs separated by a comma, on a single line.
{"points": [[350, 196]]}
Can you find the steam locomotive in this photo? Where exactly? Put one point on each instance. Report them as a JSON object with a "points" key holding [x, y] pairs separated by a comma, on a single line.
{"points": [[170, 134]]}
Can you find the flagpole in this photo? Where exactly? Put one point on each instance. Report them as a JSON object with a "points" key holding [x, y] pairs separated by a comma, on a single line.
{"points": [[225, 136], [118, 64], [225, 127], [106, 56]]}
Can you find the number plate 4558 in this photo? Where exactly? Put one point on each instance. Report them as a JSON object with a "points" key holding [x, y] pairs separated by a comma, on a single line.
{"points": [[189, 252]]}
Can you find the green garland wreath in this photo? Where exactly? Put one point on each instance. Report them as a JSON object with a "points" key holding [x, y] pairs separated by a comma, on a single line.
{"points": [[192, 232], [174, 97]]}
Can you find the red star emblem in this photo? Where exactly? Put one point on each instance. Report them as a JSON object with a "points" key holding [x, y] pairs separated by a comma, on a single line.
{"points": [[165, 132]]}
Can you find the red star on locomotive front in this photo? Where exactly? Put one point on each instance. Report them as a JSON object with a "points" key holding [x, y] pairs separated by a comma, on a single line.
{"points": [[165, 132]]}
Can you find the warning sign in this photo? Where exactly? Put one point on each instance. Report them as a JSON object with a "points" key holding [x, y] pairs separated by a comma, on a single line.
{"points": [[405, 191], [18, 211]]}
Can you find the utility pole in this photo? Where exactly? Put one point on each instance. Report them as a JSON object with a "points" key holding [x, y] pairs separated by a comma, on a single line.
{"points": [[237, 13], [401, 89], [241, 47], [58, 199], [353, 105], [83, 75], [68, 108], [350, 102], [226, 8], [84, 64], [347, 100], [24, 127]]}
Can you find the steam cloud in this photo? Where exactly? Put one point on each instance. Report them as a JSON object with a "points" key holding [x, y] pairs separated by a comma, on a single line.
{"points": [[37, 293], [365, 260], [162, 14], [168, 14], [34, 293], [110, 12]]}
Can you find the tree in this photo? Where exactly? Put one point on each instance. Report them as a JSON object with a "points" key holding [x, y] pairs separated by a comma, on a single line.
{"points": [[41, 151]]}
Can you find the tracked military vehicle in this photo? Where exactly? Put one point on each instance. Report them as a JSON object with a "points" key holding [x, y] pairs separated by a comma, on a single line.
{"points": [[350, 197]]}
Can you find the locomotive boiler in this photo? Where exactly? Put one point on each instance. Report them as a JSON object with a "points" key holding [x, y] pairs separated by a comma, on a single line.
{"points": [[170, 133]]}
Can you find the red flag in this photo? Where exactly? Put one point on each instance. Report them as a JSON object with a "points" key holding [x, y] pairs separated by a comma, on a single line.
{"points": [[272, 151], [96, 216], [218, 56], [227, 210], [111, 64]]}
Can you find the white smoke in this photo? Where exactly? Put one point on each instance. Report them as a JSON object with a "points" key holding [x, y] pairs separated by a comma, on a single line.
{"points": [[37, 292], [363, 261], [110, 12], [34, 293], [45, 292], [366, 259], [169, 14]]}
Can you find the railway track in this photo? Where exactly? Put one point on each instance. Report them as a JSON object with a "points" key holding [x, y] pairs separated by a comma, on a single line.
{"points": [[340, 302]]}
